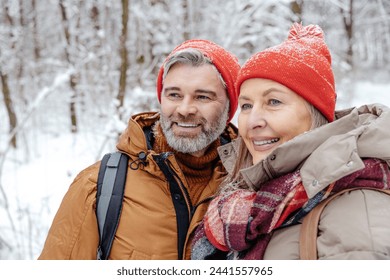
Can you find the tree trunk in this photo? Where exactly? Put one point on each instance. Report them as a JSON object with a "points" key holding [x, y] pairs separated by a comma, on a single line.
{"points": [[296, 8], [123, 55], [348, 25], [5, 87], [9, 106], [94, 13], [186, 20], [37, 53], [73, 77]]}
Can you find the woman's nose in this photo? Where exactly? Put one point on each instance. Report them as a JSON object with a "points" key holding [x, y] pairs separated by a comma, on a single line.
{"points": [[257, 119]]}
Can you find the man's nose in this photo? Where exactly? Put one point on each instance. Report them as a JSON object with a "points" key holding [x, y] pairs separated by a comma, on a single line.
{"points": [[187, 107]]}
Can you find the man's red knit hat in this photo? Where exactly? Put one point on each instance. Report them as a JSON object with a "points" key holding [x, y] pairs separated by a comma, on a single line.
{"points": [[302, 63], [225, 62]]}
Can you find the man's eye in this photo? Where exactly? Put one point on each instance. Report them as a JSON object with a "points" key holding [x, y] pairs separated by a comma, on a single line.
{"points": [[173, 95], [203, 97]]}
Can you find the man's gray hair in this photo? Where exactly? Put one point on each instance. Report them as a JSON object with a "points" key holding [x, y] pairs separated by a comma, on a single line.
{"points": [[191, 57]]}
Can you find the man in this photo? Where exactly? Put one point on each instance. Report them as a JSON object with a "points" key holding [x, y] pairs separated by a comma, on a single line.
{"points": [[168, 191]]}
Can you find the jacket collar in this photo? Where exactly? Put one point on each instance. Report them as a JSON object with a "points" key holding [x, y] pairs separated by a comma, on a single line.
{"points": [[133, 141]]}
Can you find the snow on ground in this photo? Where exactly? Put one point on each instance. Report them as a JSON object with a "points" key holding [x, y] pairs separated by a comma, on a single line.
{"points": [[35, 188]]}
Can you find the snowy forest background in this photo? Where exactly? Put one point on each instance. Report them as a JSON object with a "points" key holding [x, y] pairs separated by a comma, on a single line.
{"points": [[72, 72]]}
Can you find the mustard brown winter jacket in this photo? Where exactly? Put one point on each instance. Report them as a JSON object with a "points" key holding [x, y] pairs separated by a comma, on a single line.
{"points": [[149, 223]]}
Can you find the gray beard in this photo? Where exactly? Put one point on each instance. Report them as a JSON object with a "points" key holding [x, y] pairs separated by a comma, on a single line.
{"points": [[189, 145]]}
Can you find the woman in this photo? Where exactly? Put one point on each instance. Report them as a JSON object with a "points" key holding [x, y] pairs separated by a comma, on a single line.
{"points": [[293, 152]]}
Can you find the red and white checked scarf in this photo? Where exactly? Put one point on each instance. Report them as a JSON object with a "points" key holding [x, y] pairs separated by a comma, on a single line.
{"points": [[243, 220]]}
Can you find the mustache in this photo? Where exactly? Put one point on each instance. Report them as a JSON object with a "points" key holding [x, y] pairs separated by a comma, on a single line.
{"points": [[189, 119]]}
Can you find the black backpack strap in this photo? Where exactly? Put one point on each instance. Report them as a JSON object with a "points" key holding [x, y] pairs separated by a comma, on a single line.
{"points": [[177, 193], [109, 197]]}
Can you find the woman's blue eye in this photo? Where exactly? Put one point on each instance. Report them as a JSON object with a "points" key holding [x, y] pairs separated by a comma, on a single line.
{"points": [[274, 102], [246, 106]]}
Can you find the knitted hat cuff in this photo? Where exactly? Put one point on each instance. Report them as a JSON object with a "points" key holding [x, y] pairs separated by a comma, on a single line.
{"points": [[267, 66]]}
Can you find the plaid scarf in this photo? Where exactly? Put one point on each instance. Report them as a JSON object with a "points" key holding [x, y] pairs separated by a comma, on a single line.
{"points": [[241, 223]]}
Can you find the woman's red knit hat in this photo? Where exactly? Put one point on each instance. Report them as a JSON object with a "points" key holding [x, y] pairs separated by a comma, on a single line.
{"points": [[302, 63], [225, 62]]}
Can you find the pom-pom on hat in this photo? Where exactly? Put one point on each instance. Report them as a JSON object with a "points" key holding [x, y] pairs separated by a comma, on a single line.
{"points": [[225, 62], [302, 63]]}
